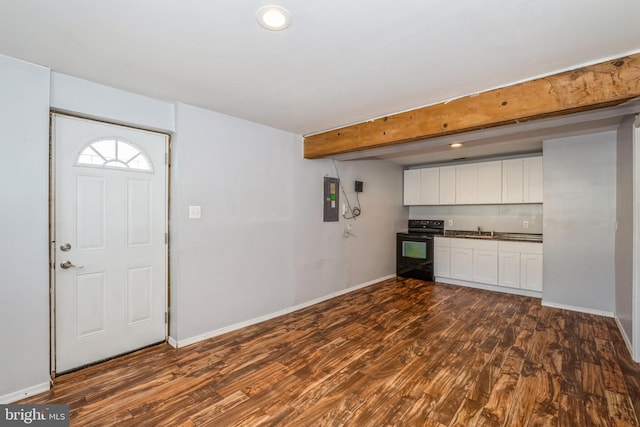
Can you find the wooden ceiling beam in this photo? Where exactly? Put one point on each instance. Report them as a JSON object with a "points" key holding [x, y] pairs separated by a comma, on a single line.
{"points": [[595, 86]]}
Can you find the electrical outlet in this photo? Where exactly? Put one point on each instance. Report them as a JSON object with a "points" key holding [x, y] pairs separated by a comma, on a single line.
{"points": [[450, 223], [525, 224], [195, 212]]}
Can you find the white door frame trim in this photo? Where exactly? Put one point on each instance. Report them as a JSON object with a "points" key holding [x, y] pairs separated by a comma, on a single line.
{"points": [[51, 237], [635, 310]]}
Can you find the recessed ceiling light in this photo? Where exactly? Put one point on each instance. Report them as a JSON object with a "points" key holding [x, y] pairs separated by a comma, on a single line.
{"points": [[456, 145], [274, 18]]}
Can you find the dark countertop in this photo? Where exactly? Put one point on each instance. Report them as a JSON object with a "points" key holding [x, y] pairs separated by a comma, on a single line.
{"points": [[497, 235]]}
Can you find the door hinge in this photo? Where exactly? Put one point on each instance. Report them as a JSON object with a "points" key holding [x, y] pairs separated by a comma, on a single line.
{"points": [[166, 317]]}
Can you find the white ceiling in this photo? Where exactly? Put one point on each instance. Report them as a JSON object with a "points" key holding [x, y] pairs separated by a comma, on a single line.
{"points": [[340, 62]]}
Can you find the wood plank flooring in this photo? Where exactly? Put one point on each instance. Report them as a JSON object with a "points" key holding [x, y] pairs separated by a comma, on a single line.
{"points": [[399, 353]]}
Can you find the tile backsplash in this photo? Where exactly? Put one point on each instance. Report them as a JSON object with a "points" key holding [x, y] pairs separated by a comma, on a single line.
{"points": [[501, 218]]}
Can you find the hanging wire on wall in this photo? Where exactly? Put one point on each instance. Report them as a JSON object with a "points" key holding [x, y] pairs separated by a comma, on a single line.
{"points": [[353, 211]]}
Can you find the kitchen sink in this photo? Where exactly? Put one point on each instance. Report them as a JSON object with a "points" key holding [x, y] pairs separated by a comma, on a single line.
{"points": [[522, 236], [471, 235]]}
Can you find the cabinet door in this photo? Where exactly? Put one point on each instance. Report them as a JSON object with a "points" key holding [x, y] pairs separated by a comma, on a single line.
{"points": [[442, 262], [466, 184], [430, 186], [447, 185], [490, 182], [412, 181], [509, 269], [531, 272], [462, 263], [512, 181], [532, 179], [485, 266]]}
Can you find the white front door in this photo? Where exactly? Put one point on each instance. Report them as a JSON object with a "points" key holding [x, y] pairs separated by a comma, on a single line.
{"points": [[110, 188]]}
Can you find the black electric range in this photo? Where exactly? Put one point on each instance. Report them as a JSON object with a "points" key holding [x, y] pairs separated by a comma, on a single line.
{"points": [[414, 248]]}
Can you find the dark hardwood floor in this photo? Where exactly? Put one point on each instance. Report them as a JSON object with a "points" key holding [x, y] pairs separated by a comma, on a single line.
{"points": [[399, 353]]}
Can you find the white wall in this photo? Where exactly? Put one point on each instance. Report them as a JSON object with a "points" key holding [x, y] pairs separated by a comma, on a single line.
{"points": [[579, 221], [234, 264], [372, 253], [87, 99], [624, 232], [261, 246], [326, 262], [24, 259]]}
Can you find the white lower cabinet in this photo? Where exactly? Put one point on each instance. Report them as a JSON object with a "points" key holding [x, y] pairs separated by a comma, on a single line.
{"points": [[515, 265], [531, 271], [474, 261], [462, 263], [520, 265], [509, 269], [485, 266], [442, 257]]}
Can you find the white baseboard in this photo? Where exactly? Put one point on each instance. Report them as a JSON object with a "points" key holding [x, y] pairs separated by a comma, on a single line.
{"points": [[626, 339], [172, 342], [495, 288], [224, 330], [578, 309], [19, 395]]}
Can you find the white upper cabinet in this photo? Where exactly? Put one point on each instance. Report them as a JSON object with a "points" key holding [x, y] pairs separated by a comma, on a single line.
{"points": [[467, 184], [512, 186], [522, 180], [489, 183], [479, 183], [412, 184], [447, 185], [422, 186], [430, 186], [532, 179], [495, 182]]}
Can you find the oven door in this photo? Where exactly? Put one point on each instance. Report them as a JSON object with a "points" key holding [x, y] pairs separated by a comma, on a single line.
{"points": [[414, 256]]}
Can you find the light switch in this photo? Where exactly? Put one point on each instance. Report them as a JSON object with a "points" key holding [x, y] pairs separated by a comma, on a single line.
{"points": [[195, 212]]}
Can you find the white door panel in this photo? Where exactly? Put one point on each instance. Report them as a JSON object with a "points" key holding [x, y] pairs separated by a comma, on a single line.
{"points": [[113, 214]]}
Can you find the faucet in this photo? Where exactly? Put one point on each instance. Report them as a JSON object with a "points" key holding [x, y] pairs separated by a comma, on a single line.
{"points": [[479, 231]]}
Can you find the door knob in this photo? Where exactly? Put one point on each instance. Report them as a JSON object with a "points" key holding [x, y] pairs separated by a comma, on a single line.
{"points": [[65, 265], [65, 247]]}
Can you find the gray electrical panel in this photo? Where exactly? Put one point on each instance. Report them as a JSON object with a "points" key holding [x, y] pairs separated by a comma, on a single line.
{"points": [[331, 199]]}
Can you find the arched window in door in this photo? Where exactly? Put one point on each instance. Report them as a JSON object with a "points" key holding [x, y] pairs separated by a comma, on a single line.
{"points": [[114, 153]]}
